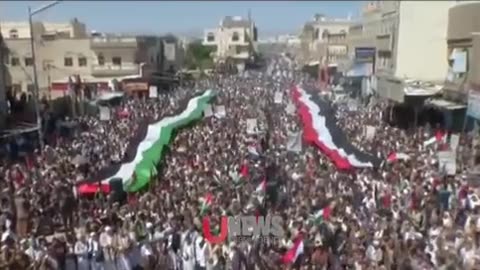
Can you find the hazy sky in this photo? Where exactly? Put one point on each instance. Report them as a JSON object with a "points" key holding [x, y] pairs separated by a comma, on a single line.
{"points": [[181, 17]]}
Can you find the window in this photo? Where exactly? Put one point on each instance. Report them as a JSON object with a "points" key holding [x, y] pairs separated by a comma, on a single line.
{"points": [[68, 61], [82, 61], [13, 33], [235, 36], [317, 35], [117, 61], [15, 61], [210, 37], [101, 59], [30, 88], [325, 34], [28, 61]]}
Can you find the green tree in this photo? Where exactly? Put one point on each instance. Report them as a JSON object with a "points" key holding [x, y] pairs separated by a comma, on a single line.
{"points": [[198, 56]]}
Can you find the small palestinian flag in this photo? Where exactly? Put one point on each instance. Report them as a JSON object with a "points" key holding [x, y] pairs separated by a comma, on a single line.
{"points": [[321, 215], [261, 190], [397, 156], [206, 203]]}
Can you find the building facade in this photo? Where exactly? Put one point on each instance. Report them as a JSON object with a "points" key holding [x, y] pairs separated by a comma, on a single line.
{"points": [[69, 54], [325, 40], [463, 55], [361, 41], [235, 38], [410, 45]]}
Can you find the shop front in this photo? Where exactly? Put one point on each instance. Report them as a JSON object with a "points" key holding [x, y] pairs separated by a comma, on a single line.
{"points": [[135, 87]]}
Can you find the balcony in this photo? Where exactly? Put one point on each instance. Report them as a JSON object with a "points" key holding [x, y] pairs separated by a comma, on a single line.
{"points": [[114, 70], [113, 42]]}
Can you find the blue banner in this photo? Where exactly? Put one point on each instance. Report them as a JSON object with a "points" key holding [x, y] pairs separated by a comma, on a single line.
{"points": [[364, 54]]}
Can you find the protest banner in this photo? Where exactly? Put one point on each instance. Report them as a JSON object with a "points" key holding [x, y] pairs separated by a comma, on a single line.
{"points": [[104, 113], [153, 91], [278, 98], [447, 162], [220, 111]]}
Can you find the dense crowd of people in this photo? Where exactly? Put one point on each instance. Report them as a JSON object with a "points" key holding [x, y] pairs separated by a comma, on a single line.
{"points": [[406, 214]]}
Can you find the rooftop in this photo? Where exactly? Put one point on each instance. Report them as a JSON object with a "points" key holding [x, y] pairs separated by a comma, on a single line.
{"points": [[234, 22]]}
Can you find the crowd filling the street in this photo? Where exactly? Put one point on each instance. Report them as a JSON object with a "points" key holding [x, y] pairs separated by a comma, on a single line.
{"points": [[352, 191]]}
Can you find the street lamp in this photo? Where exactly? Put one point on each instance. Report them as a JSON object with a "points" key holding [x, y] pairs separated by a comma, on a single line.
{"points": [[35, 76]]}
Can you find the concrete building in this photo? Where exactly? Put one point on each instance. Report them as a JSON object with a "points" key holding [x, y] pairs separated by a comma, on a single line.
{"points": [[410, 45], [56, 60], [69, 53], [361, 41], [463, 55], [234, 38], [21, 30], [324, 39]]}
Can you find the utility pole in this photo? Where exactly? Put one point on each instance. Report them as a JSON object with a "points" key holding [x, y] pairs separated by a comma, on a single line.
{"points": [[35, 75], [35, 81]]}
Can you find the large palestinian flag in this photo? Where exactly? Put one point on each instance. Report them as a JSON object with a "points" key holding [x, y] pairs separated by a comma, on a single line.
{"points": [[145, 150], [320, 129]]}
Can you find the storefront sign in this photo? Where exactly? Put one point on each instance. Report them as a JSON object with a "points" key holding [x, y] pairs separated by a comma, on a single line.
{"points": [[364, 54], [135, 86], [473, 108]]}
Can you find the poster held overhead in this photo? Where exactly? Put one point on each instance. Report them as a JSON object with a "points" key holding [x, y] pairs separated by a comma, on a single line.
{"points": [[220, 111], [252, 126], [278, 98], [447, 162], [208, 111], [104, 113], [153, 91]]}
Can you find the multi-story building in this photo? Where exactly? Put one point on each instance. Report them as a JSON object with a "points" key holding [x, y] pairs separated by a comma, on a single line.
{"points": [[463, 58], [69, 53], [235, 39], [362, 37], [410, 45], [325, 40], [337, 49], [21, 30]]}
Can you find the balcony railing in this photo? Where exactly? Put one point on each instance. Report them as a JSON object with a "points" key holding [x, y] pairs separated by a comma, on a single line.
{"points": [[115, 70], [115, 42]]}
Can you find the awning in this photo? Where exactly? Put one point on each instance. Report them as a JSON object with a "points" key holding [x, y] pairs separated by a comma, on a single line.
{"points": [[421, 92], [445, 104], [360, 70], [110, 95]]}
